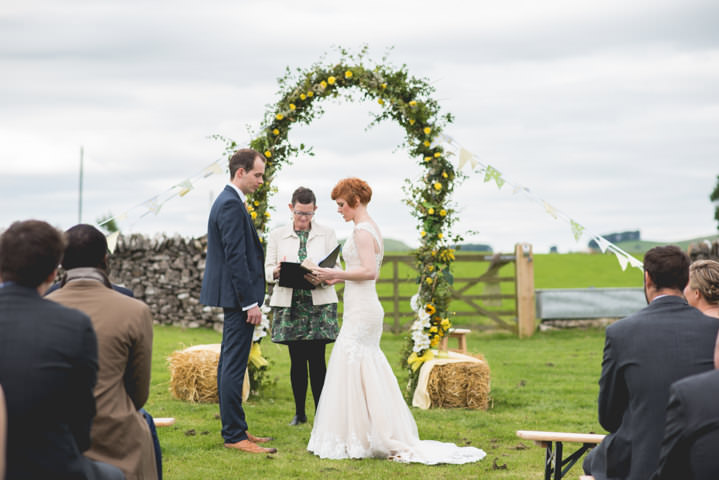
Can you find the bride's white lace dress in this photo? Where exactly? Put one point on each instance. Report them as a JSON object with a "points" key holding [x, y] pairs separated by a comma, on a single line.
{"points": [[361, 412]]}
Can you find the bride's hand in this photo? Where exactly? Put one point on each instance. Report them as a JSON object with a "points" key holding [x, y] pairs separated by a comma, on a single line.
{"points": [[325, 275]]}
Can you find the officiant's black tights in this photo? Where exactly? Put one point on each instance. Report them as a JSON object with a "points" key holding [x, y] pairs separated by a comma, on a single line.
{"points": [[302, 354]]}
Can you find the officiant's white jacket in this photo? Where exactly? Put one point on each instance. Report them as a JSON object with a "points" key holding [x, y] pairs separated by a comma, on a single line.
{"points": [[284, 243]]}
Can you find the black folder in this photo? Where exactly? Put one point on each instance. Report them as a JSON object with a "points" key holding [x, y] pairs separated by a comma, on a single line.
{"points": [[292, 274]]}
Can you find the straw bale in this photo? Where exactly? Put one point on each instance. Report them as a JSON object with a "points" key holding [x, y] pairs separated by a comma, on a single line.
{"points": [[460, 384], [193, 374]]}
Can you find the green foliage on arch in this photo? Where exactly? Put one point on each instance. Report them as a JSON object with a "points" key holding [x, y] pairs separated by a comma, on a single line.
{"points": [[407, 101]]}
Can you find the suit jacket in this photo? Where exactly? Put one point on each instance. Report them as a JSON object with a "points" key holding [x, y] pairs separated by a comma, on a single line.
{"points": [[284, 242], [48, 368], [117, 288], [643, 355], [120, 434], [234, 267], [691, 432]]}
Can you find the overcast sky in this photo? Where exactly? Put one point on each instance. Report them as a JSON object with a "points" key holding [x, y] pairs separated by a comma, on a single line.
{"points": [[608, 111]]}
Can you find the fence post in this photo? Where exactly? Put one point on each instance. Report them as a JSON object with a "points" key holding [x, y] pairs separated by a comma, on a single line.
{"points": [[524, 271], [395, 295]]}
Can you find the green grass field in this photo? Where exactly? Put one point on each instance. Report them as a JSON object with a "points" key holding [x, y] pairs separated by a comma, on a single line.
{"points": [[546, 382]]}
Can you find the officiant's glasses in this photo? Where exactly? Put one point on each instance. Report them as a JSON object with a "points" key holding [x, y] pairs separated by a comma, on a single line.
{"points": [[303, 214]]}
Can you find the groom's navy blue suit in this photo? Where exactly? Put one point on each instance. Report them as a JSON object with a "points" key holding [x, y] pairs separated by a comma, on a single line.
{"points": [[234, 279]]}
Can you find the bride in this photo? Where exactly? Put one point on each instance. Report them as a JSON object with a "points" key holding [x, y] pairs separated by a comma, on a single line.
{"points": [[361, 412]]}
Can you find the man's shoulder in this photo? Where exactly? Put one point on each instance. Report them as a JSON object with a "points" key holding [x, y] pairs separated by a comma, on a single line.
{"points": [[699, 382]]}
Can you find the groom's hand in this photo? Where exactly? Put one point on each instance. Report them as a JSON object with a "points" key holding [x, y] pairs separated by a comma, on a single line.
{"points": [[254, 315]]}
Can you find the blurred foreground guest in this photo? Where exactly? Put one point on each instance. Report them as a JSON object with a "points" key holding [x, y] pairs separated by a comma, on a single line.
{"points": [[3, 432], [702, 292], [120, 434], [691, 432], [48, 363], [644, 354]]}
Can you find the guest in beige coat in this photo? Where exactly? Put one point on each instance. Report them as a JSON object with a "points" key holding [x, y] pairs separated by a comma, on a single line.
{"points": [[120, 435]]}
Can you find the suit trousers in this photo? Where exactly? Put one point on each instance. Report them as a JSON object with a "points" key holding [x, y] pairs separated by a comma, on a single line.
{"points": [[235, 350]]}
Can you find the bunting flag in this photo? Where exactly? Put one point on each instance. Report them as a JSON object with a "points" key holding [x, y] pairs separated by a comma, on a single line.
{"points": [[185, 187], [112, 242], [578, 230]]}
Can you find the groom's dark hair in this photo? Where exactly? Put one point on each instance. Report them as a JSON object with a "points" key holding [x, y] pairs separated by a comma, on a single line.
{"points": [[244, 158]]}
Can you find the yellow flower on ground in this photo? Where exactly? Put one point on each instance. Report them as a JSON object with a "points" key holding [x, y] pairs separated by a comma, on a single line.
{"points": [[437, 154], [302, 96], [413, 103], [380, 101], [411, 121], [276, 132], [437, 186], [430, 211], [348, 74], [442, 213], [292, 106], [253, 215], [310, 93], [427, 130], [331, 80], [279, 116], [268, 154], [426, 143]]}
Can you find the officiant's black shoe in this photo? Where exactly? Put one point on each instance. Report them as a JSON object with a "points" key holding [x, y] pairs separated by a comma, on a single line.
{"points": [[299, 419]]}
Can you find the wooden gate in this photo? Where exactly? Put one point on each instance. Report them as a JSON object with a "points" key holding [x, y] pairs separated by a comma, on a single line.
{"points": [[490, 291]]}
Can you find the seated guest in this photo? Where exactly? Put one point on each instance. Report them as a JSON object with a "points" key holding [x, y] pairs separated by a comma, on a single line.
{"points": [[644, 354], [48, 364], [691, 431], [120, 434]]}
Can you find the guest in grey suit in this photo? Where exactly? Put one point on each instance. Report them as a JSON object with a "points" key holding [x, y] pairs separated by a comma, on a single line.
{"points": [[644, 354], [691, 433]]}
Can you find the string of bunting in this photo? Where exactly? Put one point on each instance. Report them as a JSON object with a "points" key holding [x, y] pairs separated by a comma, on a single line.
{"points": [[491, 174]]}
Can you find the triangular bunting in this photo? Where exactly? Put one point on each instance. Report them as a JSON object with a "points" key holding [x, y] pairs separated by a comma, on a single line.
{"points": [[623, 261], [464, 157], [550, 210], [185, 187], [112, 242], [577, 230]]}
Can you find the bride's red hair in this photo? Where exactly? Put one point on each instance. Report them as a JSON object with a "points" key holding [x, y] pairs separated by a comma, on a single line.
{"points": [[353, 191]]}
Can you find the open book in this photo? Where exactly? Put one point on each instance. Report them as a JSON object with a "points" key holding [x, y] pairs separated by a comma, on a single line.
{"points": [[292, 274]]}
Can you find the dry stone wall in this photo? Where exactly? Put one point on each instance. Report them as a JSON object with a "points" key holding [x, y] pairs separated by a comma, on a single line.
{"points": [[166, 273]]}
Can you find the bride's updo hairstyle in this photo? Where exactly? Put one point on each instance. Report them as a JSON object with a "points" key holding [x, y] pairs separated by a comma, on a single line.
{"points": [[353, 191], [704, 276]]}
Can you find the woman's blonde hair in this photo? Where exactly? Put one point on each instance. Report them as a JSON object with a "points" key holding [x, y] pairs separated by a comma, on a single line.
{"points": [[704, 276]]}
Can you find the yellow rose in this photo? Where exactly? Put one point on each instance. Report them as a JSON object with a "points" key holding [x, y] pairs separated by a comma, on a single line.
{"points": [[427, 130], [276, 132], [267, 214], [446, 323], [437, 186], [323, 84], [261, 240], [256, 203], [292, 106], [383, 86], [430, 211], [380, 101], [431, 268], [310, 93], [253, 215], [331, 80], [442, 213], [279, 116], [434, 342], [411, 121], [440, 235], [348, 74], [434, 252], [422, 233], [268, 154], [427, 159], [444, 174], [437, 154], [433, 329], [429, 280], [413, 103], [302, 96], [426, 143]]}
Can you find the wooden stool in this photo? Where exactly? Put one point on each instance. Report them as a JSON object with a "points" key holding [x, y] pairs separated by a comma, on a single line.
{"points": [[460, 334]]}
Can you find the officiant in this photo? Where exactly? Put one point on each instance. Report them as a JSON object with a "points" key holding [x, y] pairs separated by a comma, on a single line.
{"points": [[303, 319]]}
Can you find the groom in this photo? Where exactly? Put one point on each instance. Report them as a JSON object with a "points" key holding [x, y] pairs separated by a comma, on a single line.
{"points": [[234, 279]]}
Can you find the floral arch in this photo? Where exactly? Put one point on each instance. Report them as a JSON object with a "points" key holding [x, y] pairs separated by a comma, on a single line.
{"points": [[406, 100]]}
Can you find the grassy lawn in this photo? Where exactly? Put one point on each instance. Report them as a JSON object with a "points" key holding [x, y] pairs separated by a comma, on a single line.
{"points": [[547, 382]]}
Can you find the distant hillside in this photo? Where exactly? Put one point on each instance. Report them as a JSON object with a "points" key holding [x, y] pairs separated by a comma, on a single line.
{"points": [[641, 246]]}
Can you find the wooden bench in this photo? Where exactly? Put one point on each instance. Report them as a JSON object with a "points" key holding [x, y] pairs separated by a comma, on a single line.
{"points": [[552, 441], [460, 334]]}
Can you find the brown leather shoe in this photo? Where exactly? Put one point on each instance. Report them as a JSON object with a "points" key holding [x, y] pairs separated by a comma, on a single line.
{"points": [[252, 438], [250, 447]]}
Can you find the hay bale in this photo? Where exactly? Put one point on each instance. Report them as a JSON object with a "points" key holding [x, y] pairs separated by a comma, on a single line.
{"points": [[193, 374], [460, 384]]}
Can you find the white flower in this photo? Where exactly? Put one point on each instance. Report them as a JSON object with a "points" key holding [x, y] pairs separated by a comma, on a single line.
{"points": [[414, 302]]}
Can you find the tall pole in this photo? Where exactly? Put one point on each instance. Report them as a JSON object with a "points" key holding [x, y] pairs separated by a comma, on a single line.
{"points": [[79, 201]]}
